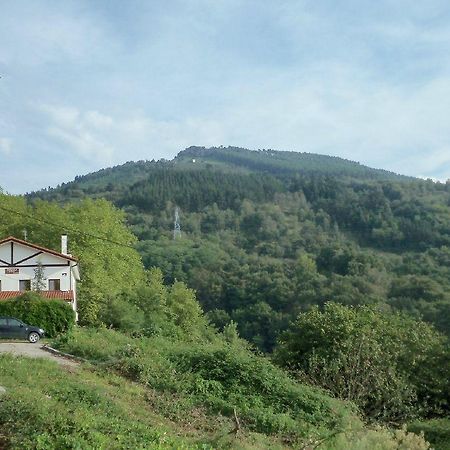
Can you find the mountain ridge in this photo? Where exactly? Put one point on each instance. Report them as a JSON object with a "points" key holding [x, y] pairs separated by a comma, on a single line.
{"points": [[281, 161], [229, 159]]}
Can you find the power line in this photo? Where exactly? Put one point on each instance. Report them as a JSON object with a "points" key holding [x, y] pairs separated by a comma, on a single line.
{"points": [[73, 230]]}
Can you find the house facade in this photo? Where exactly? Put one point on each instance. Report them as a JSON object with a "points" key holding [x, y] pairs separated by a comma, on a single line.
{"points": [[25, 266]]}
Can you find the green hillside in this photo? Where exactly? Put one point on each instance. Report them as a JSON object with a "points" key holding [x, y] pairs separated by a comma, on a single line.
{"points": [[268, 234]]}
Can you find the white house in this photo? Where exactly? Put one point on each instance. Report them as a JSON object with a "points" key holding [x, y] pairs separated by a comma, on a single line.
{"points": [[18, 263]]}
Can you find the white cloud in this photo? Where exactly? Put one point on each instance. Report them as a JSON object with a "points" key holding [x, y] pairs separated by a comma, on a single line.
{"points": [[103, 139], [79, 132], [322, 110], [5, 146], [333, 112]]}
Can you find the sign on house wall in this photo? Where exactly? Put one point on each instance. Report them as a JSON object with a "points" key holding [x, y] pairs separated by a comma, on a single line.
{"points": [[12, 271]]}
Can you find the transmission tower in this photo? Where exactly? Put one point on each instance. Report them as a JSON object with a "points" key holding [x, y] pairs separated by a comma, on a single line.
{"points": [[176, 224]]}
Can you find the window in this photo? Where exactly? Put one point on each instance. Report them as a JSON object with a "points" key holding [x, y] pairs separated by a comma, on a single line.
{"points": [[54, 285], [24, 285], [0, 285], [3, 321], [14, 323]]}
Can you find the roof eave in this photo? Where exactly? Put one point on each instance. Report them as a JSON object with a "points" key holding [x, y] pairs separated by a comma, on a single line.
{"points": [[37, 247]]}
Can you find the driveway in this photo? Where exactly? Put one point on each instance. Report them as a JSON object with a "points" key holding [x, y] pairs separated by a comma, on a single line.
{"points": [[33, 351]]}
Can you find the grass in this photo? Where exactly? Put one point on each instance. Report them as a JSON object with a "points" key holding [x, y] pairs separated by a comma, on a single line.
{"points": [[157, 394], [217, 377], [82, 409], [197, 387], [50, 407]]}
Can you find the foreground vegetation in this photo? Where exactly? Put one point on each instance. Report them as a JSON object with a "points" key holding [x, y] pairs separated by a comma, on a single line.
{"points": [[94, 407], [221, 377], [394, 368], [78, 409]]}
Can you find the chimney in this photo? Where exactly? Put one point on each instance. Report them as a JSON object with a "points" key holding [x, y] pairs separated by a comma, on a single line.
{"points": [[64, 244]]}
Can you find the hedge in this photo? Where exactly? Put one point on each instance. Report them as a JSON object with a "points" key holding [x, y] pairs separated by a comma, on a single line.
{"points": [[54, 316]]}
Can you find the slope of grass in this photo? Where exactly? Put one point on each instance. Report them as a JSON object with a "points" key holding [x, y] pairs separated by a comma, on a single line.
{"points": [[200, 385], [47, 407]]}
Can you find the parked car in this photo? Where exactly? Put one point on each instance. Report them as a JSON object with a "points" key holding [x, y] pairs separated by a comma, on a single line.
{"points": [[11, 328]]}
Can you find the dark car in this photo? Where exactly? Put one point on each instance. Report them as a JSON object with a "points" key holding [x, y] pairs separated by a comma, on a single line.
{"points": [[11, 328]]}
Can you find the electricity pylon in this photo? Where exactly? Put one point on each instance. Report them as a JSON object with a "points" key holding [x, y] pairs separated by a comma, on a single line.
{"points": [[176, 225]]}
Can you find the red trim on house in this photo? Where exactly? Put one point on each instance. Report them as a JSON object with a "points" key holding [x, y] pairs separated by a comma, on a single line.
{"points": [[37, 247], [59, 295]]}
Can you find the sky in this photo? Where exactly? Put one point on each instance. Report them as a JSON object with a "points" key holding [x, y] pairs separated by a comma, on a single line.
{"points": [[91, 84]]}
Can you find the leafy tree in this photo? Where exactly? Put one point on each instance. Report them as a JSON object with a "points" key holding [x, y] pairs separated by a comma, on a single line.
{"points": [[260, 324], [38, 282], [98, 238], [184, 309], [121, 314]]}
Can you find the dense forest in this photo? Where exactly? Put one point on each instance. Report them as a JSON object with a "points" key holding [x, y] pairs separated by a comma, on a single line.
{"points": [[267, 234]]}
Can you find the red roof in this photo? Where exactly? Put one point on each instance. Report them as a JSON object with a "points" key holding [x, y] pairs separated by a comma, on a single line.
{"points": [[60, 295], [37, 247]]}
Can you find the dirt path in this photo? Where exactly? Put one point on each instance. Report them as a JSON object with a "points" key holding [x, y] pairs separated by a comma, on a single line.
{"points": [[33, 351]]}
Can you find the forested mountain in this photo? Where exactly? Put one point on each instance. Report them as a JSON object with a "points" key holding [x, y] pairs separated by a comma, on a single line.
{"points": [[278, 162], [230, 159], [267, 234]]}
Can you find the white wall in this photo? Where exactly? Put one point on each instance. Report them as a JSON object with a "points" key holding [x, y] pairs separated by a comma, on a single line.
{"points": [[10, 282]]}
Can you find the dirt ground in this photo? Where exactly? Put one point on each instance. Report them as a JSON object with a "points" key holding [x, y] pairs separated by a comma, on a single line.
{"points": [[33, 351]]}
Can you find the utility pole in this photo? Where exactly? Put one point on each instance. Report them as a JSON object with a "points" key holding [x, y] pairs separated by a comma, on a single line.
{"points": [[176, 225]]}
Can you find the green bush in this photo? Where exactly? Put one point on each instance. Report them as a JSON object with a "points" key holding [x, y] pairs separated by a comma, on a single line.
{"points": [[436, 431], [227, 376], [122, 315], [218, 377], [390, 365], [94, 344], [54, 316], [377, 439]]}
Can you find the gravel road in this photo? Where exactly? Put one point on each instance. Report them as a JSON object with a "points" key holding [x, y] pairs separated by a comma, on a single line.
{"points": [[33, 351]]}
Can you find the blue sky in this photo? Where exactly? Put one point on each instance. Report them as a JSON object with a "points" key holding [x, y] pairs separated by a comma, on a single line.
{"points": [[90, 84]]}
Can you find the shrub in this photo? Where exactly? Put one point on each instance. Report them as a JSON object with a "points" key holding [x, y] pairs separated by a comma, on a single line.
{"points": [[219, 376], [391, 366], [54, 316], [95, 344], [377, 439], [436, 431], [120, 314], [227, 376]]}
